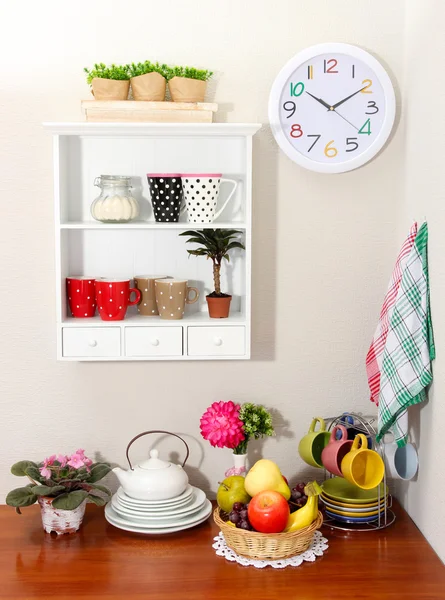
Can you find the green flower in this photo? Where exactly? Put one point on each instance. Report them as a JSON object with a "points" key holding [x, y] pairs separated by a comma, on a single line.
{"points": [[257, 423]]}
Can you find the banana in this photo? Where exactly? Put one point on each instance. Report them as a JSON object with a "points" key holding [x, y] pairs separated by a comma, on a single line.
{"points": [[306, 515]]}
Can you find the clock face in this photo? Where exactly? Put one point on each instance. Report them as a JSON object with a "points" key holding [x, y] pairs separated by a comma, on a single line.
{"points": [[332, 108]]}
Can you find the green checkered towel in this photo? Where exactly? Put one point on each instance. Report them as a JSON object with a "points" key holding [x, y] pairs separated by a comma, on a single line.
{"points": [[409, 350]]}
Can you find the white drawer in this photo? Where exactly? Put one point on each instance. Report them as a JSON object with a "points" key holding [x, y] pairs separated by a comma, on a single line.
{"points": [[153, 341], [216, 341], [91, 341]]}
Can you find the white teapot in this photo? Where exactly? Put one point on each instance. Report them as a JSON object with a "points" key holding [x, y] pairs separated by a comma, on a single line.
{"points": [[153, 479]]}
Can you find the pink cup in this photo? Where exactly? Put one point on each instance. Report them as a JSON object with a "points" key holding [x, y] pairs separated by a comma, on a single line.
{"points": [[336, 450]]}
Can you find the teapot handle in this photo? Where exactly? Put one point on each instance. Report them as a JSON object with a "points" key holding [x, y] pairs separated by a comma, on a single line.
{"points": [[156, 431]]}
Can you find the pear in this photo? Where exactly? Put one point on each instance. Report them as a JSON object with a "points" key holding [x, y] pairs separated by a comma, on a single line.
{"points": [[266, 475]]}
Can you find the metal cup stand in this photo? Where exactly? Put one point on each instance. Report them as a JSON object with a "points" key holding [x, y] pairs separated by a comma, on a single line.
{"points": [[386, 517]]}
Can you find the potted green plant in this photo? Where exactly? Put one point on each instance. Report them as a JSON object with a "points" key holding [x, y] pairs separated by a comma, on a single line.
{"points": [[62, 485], [215, 244], [148, 81], [187, 84], [109, 82]]}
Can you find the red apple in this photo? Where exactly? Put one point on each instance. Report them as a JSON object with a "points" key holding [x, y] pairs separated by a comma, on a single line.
{"points": [[268, 512]]}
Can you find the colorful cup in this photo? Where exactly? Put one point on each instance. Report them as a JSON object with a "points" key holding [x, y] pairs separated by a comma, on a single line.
{"points": [[166, 196], [171, 297], [336, 450], [113, 298], [349, 422], [402, 463], [361, 466], [146, 285], [201, 191], [313, 443], [81, 296]]}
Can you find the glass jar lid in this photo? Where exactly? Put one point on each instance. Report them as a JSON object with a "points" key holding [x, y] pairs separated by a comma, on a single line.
{"points": [[113, 180]]}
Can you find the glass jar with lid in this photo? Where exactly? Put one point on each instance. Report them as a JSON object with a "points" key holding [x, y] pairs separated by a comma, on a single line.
{"points": [[115, 203]]}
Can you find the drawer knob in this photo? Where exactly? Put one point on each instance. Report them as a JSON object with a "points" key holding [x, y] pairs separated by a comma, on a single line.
{"points": [[155, 342], [217, 341], [92, 343]]}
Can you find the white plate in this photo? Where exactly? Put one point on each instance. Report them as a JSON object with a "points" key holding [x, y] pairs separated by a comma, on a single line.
{"points": [[185, 494], [198, 500], [153, 509], [157, 523], [112, 518]]}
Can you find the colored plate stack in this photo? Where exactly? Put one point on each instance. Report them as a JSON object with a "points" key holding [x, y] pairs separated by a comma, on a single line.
{"points": [[158, 516], [347, 503]]}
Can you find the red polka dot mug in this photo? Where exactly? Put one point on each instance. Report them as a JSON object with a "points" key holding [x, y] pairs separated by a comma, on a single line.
{"points": [[113, 298], [81, 296]]}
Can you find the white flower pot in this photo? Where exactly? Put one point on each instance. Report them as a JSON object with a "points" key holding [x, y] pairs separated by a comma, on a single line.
{"points": [[59, 520]]}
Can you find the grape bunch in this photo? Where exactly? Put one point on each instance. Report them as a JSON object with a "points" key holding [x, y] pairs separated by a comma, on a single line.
{"points": [[238, 516], [297, 497]]}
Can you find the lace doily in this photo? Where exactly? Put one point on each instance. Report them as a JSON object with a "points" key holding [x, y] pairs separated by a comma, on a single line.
{"points": [[318, 546]]}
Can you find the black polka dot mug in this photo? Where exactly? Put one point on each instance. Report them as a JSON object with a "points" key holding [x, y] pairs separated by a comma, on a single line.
{"points": [[201, 191], [166, 196]]}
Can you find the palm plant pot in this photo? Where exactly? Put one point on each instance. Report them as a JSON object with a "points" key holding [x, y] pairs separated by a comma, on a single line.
{"points": [[149, 87], [219, 306], [184, 89], [59, 520], [110, 89]]}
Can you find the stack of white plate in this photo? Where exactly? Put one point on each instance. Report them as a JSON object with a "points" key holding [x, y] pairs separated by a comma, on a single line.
{"points": [[158, 516]]}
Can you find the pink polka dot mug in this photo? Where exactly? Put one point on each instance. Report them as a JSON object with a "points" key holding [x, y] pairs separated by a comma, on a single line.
{"points": [[113, 298]]}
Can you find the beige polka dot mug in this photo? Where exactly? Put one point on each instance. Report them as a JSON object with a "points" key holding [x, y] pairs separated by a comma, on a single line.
{"points": [[171, 297], [146, 285]]}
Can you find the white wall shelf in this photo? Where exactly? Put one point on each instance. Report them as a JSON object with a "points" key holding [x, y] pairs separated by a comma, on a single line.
{"points": [[150, 225], [83, 151]]}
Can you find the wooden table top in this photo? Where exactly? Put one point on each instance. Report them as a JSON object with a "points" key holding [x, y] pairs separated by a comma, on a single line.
{"points": [[101, 561]]}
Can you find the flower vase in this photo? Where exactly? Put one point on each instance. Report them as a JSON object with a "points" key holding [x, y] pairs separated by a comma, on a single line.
{"points": [[59, 520], [239, 465]]}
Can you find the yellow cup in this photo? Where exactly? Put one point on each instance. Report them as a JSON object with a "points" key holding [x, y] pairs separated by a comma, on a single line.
{"points": [[361, 466]]}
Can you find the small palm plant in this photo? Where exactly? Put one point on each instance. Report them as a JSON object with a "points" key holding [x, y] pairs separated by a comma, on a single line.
{"points": [[215, 244]]}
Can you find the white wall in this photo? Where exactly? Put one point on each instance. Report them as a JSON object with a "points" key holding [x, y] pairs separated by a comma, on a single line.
{"points": [[323, 245], [424, 99]]}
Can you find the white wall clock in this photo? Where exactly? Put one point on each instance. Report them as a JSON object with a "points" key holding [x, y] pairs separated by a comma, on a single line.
{"points": [[332, 108]]}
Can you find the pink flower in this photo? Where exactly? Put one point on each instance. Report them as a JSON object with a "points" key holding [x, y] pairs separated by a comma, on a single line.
{"points": [[45, 472], [221, 425], [86, 461], [76, 461], [62, 459]]}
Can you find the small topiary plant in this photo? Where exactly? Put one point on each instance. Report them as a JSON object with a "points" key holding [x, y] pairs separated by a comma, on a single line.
{"points": [[214, 244], [142, 68], [102, 71], [68, 479], [189, 72]]}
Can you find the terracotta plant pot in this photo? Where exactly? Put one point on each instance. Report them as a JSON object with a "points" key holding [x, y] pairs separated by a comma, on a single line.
{"points": [[58, 520], [219, 308], [184, 89], [110, 89], [149, 87]]}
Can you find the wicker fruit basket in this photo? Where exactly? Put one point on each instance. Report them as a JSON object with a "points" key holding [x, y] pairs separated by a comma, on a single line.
{"points": [[266, 546]]}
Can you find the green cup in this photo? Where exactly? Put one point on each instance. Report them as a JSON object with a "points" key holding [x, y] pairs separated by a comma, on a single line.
{"points": [[312, 444]]}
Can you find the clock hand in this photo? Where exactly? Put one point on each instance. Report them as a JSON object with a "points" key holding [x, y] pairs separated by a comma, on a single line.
{"points": [[344, 99], [328, 106], [345, 119]]}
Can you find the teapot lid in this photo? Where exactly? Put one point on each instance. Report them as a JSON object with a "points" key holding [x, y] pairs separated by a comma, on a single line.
{"points": [[154, 463]]}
